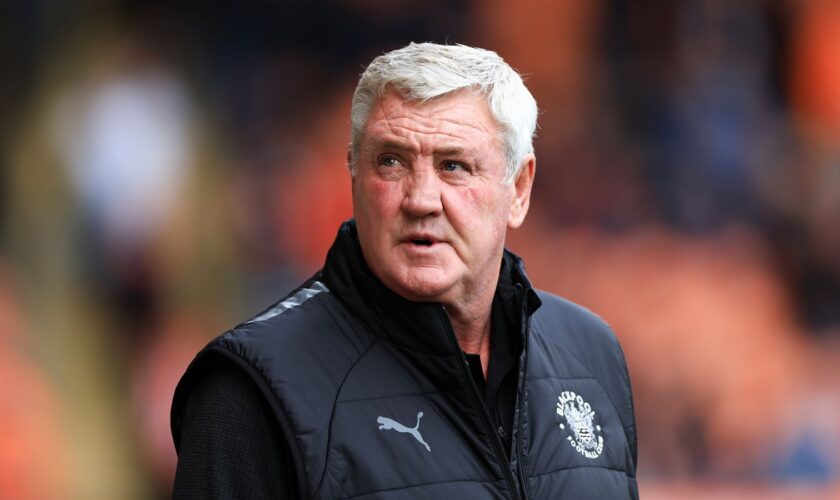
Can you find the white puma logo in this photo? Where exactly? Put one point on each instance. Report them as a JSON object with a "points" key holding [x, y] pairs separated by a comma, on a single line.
{"points": [[388, 424]]}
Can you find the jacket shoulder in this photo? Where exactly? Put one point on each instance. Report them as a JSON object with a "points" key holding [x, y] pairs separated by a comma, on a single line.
{"points": [[310, 325], [577, 327], [298, 352]]}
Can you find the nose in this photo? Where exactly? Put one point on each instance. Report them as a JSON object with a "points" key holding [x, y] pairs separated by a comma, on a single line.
{"points": [[422, 195]]}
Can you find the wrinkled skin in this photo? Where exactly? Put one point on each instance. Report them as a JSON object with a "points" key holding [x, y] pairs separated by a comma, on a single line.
{"points": [[430, 204]]}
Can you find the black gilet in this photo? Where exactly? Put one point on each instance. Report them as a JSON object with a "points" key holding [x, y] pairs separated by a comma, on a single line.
{"points": [[375, 397]]}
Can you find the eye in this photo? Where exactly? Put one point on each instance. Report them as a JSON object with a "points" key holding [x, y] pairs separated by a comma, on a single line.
{"points": [[453, 166], [389, 161]]}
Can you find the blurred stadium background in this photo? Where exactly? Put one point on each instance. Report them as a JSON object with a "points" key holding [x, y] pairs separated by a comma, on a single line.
{"points": [[168, 168]]}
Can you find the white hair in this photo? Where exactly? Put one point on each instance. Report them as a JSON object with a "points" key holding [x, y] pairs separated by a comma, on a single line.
{"points": [[423, 71]]}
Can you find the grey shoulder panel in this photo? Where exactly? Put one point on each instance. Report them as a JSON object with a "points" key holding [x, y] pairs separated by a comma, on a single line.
{"points": [[300, 297]]}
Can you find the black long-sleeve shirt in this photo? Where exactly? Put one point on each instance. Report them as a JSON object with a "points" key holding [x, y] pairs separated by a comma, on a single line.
{"points": [[231, 446]]}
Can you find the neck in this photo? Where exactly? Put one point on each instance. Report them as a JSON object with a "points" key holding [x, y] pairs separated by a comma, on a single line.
{"points": [[470, 317], [473, 333]]}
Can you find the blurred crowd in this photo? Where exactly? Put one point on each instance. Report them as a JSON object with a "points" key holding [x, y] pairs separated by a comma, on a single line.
{"points": [[168, 170]]}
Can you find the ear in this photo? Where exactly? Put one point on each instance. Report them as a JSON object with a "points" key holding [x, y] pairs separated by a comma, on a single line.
{"points": [[350, 163], [522, 192]]}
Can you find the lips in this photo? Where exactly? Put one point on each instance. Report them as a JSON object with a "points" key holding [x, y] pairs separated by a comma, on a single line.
{"points": [[421, 239]]}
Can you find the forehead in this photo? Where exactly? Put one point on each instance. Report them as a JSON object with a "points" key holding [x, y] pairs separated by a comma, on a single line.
{"points": [[461, 117]]}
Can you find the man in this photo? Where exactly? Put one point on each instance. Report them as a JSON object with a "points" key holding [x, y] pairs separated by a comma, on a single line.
{"points": [[419, 362]]}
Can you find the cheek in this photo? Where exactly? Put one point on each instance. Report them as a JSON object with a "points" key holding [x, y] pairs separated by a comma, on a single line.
{"points": [[482, 216], [483, 206], [472, 201], [377, 201], [382, 192], [386, 197]]}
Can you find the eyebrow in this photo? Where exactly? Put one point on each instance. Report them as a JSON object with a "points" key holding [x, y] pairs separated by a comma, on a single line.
{"points": [[451, 151], [443, 151], [392, 145]]}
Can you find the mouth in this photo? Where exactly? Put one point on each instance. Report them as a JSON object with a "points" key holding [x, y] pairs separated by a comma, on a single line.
{"points": [[421, 240]]}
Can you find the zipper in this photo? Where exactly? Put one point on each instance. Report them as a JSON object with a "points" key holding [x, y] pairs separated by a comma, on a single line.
{"points": [[501, 457], [523, 328]]}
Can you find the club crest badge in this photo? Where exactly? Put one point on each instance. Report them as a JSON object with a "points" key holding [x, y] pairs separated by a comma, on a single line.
{"points": [[577, 420]]}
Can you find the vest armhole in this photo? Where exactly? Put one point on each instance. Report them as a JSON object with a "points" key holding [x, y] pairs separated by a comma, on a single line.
{"points": [[199, 364]]}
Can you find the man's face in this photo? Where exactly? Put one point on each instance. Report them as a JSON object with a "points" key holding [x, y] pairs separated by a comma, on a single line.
{"points": [[428, 198]]}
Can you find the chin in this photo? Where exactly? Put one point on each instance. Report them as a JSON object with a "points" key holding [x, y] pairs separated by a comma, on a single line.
{"points": [[428, 287]]}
